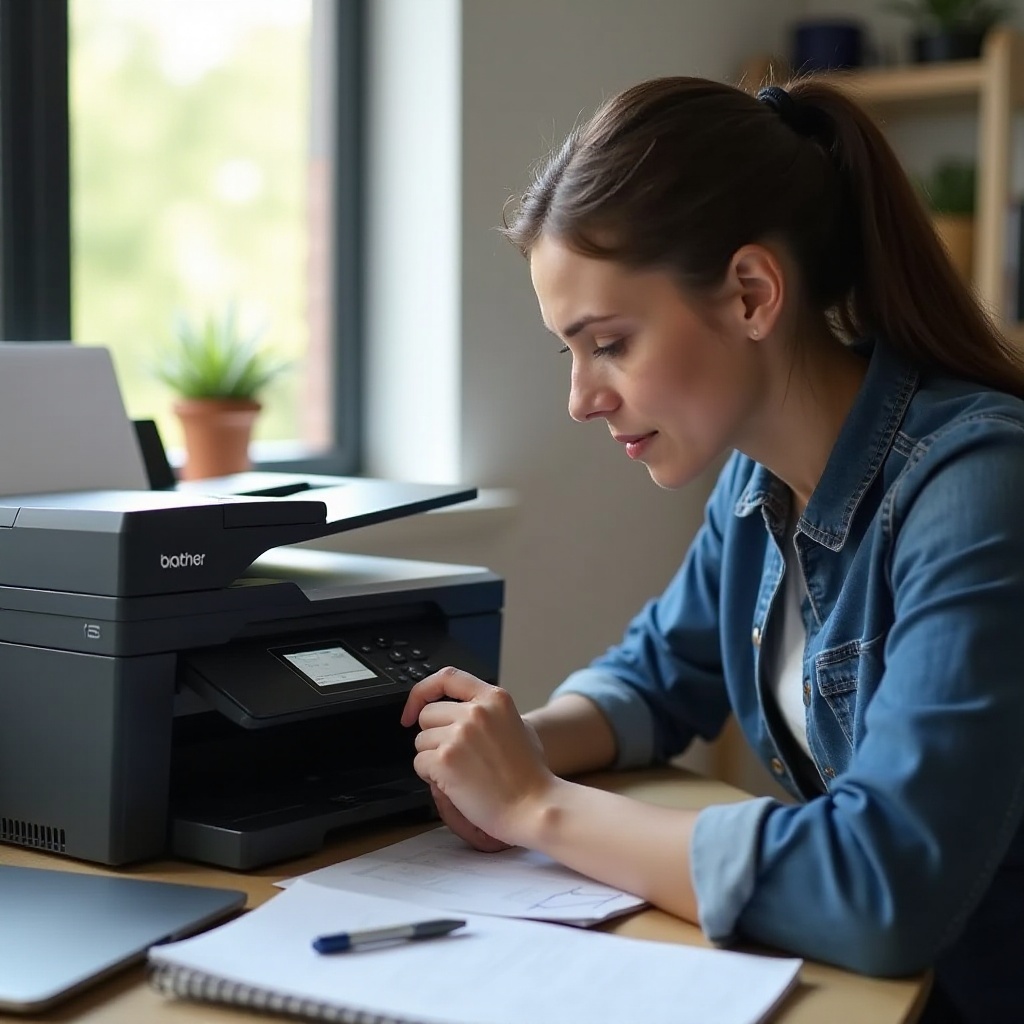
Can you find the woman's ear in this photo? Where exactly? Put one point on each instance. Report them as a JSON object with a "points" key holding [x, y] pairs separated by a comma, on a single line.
{"points": [[756, 288]]}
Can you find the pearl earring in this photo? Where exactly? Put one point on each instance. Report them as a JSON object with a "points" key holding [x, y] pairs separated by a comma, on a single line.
{"points": [[755, 333]]}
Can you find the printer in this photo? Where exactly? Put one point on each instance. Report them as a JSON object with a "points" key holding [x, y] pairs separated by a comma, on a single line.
{"points": [[176, 677]]}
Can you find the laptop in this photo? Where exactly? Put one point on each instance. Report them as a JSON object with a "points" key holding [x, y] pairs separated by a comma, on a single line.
{"points": [[62, 931]]}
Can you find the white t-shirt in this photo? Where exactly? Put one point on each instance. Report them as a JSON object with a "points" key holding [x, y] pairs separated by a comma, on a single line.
{"points": [[786, 678]]}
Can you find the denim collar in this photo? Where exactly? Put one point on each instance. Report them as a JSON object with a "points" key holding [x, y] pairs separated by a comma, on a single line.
{"points": [[856, 458]]}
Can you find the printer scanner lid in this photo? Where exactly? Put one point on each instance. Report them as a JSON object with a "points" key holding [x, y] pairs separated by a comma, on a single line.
{"points": [[203, 536]]}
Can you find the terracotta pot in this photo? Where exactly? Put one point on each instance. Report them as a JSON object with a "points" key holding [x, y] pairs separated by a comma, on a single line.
{"points": [[217, 434], [956, 232]]}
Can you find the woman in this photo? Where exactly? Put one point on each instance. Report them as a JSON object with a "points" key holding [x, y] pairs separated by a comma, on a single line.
{"points": [[757, 277]]}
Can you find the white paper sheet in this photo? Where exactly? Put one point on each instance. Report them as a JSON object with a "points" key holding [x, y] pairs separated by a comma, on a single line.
{"points": [[437, 869], [63, 424], [493, 971]]}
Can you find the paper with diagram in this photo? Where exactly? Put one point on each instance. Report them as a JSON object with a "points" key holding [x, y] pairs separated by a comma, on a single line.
{"points": [[437, 869]]}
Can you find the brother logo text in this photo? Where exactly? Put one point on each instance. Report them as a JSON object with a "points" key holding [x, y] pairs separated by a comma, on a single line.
{"points": [[182, 561]]}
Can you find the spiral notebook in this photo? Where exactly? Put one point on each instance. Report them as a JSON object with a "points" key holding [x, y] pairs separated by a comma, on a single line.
{"points": [[493, 971]]}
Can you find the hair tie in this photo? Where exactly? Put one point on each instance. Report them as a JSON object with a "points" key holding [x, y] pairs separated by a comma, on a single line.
{"points": [[802, 119]]}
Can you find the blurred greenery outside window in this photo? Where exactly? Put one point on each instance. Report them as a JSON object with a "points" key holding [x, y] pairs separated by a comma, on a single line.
{"points": [[200, 176]]}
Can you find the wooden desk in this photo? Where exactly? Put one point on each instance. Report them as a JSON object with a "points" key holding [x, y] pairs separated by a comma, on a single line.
{"points": [[824, 993]]}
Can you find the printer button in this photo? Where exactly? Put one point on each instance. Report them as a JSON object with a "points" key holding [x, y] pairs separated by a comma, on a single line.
{"points": [[418, 654], [397, 656], [399, 643], [403, 678], [382, 641], [416, 673], [366, 648]]}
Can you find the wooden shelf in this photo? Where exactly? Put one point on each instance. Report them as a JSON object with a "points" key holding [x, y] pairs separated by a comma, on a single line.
{"points": [[916, 87], [1000, 69]]}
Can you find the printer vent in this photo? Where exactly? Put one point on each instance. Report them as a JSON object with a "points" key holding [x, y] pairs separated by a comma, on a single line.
{"points": [[27, 833]]}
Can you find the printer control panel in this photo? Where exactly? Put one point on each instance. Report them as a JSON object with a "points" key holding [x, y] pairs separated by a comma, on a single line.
{"points": [[259, 683], [386, 656]]}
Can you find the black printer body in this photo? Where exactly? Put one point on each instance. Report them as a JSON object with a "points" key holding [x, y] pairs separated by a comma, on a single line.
{"points": [[175, 679]]}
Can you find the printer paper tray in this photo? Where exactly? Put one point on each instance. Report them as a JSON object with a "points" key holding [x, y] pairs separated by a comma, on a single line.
{"points": [[250, 829]]}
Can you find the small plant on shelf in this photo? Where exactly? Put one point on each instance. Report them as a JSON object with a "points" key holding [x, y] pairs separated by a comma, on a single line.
{"points": [[949, 192], [948, 29], [951, 187]]}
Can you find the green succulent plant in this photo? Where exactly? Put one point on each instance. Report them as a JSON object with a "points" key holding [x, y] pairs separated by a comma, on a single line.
{"points": [[215, 358], [950, 188]]}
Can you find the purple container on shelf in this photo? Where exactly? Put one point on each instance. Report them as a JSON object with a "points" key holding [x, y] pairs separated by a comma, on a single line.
{"points": [[827, 45]]}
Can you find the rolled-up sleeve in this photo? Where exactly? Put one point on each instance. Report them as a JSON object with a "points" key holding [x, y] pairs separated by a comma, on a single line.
{"points": [[628, 714], [723, 862]]}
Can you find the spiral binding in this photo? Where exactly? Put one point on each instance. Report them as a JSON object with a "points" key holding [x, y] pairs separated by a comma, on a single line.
{"points": [[184, 983]]}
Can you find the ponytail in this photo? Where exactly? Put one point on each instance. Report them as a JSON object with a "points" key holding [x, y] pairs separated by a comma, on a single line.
{"points": [[906, 290]]}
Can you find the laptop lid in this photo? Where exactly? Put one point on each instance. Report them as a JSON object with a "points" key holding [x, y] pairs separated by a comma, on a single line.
{"points": [[63, 425], [61, 931]]}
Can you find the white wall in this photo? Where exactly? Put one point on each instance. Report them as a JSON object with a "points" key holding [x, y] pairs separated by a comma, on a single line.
{"points": [[465, 383]]}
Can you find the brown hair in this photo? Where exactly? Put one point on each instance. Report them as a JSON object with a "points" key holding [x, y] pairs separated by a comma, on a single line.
{"points": [[679, 173]]}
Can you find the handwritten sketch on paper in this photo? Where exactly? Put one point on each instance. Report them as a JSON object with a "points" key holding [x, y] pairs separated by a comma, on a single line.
{"points": [[438, 869]]}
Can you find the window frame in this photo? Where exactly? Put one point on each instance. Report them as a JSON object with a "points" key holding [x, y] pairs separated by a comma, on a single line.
{"points": [[36, 290], [35, 222]]}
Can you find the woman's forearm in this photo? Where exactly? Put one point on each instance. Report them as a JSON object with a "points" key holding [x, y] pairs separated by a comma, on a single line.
{"points": [[625, 843], [622, 842], [575, 735]]}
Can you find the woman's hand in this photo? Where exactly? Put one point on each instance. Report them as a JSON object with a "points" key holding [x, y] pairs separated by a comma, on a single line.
{"points": [[463, 827], [484, 764]]}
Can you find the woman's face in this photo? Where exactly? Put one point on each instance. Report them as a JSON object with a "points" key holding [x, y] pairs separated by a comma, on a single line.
{"points": [[675, 389]]}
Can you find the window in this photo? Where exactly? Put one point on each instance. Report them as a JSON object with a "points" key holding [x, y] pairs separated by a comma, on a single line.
{"points": [[211, 151]]}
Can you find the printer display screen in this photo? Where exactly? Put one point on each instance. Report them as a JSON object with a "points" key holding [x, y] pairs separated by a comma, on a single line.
{"points": [[329, 666]]}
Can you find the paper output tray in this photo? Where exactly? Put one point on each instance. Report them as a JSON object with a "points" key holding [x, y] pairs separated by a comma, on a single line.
{"points": [[244, 798]]}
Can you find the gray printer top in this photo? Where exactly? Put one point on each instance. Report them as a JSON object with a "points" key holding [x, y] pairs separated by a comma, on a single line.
{"points": [[136, 543]]}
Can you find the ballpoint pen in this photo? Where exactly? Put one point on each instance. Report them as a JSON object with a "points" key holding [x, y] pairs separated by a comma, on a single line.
{"points": [[342, 941]]}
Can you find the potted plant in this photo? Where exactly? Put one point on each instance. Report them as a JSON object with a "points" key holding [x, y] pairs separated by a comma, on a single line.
{"points": [[949, 193], [948, 29], [217, 370]]}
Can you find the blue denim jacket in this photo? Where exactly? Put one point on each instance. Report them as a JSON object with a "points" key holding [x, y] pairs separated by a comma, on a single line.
{"points": [[904, 849]]}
